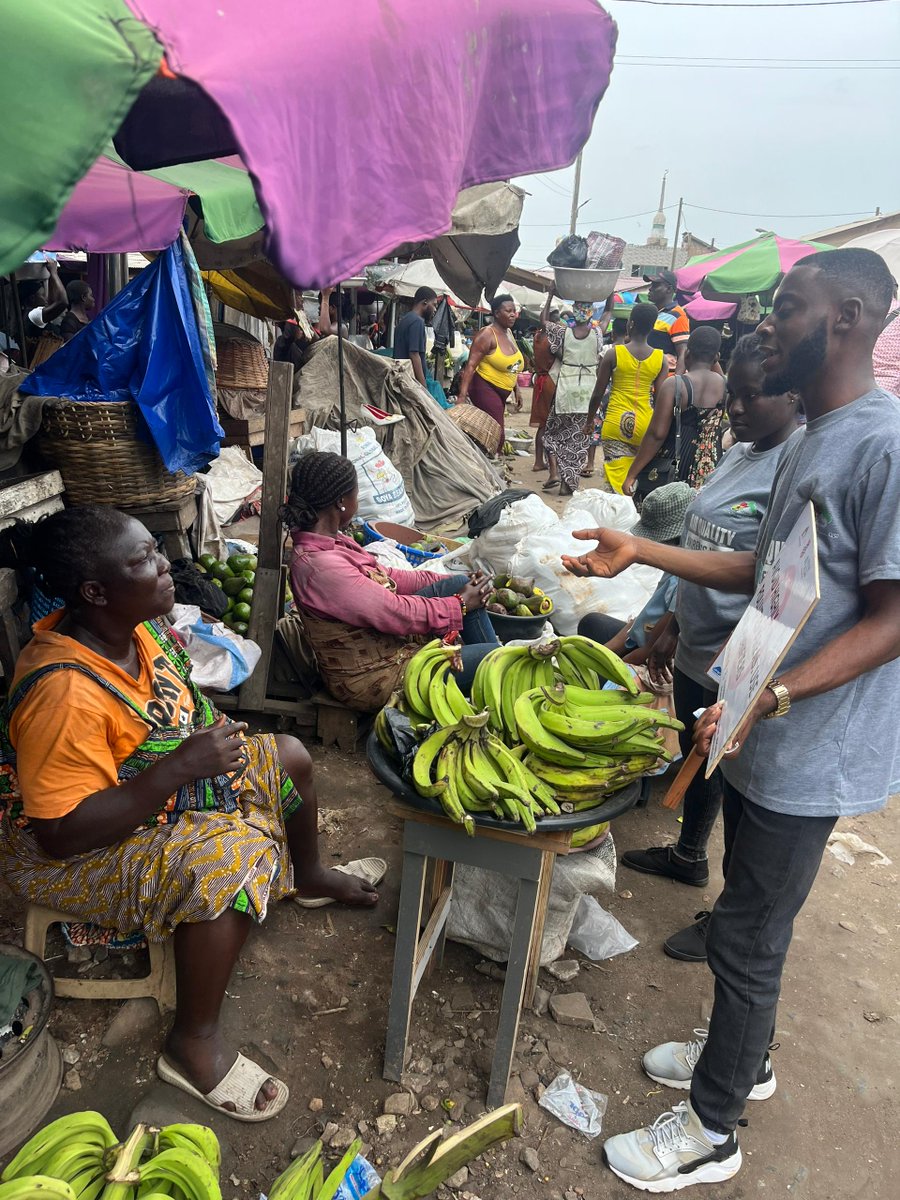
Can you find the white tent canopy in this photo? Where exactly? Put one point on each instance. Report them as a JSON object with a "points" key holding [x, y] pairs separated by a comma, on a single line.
{"points": [[885, 242]]}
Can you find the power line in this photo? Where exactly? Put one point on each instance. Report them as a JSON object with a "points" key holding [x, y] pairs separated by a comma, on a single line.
{"points": [[737, 66], [693, 58], [584, 220], [778, 216]]}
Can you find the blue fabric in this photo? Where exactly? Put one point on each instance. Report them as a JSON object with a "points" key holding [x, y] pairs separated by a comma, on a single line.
{"points": [[477, 627], [145, 346]]}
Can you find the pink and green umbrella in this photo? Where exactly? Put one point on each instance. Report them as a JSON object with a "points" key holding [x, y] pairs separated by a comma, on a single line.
{"points": [[746, 269], [358, 123]]}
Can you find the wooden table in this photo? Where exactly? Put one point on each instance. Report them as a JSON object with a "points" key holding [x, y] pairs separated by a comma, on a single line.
{"points": [[528, 858]]}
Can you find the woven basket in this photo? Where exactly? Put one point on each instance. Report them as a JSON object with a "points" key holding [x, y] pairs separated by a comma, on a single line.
{"points": [[102, 457], [241, 360], [47, 345], [480, 427]]}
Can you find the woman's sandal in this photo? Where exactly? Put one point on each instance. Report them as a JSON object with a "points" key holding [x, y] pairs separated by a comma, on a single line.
{"points": [[372, 870], [586, 474], [240, 1087], [551, 483]]}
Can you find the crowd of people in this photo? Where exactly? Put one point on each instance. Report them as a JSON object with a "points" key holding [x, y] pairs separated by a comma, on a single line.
{"points": [[129, 800]]}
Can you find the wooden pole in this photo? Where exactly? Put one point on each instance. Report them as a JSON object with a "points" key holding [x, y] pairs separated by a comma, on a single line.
{"points": [[268, 593], [677, 232], [20, 320], [683, 780], [343, 398], [573, 218]]}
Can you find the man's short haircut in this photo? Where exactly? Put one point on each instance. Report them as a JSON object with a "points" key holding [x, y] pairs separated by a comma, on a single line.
{"points": [[853, 271], [704, 343], [424, 293]]}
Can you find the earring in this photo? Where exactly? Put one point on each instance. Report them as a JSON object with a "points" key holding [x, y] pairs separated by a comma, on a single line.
{"points": [[342, 508]]}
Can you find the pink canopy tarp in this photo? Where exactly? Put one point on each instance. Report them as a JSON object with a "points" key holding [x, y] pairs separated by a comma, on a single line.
{"points": [[360, 123]]}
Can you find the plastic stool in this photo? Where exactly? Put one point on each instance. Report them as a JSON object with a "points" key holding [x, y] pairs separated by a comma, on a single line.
{"points": [[160, 983]]}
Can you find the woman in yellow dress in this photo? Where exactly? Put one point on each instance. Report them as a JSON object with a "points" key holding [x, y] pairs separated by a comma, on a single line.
{"points": [[633, 373], [490, 376]]}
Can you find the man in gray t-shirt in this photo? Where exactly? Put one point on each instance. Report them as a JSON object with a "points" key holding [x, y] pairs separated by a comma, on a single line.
{"points": [[834, 747]]}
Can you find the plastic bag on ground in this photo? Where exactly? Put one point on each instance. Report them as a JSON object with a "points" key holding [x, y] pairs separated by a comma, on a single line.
{"points": [[483, 907], [360, 1179], [575, 1105], [221, 658], [597, 934], [606, 509]]}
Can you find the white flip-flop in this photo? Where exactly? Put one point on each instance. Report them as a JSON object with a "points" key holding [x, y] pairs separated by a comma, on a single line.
{"points": [[240, 1087], [372, 870]]}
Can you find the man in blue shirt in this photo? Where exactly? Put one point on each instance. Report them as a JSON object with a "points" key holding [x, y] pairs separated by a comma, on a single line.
{"points": [[409, 336]]}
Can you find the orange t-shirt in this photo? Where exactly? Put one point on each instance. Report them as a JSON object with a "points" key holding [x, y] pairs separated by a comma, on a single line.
{"points": [[70, 734]]}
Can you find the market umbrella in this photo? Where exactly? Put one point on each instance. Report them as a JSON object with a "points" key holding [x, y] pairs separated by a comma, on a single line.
{"points": [[885, 242], [113, 209], [698, 308], [359, 123], [745, 269]]}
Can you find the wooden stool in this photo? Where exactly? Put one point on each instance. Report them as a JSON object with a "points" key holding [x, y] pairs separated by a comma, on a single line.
{"points": [[160, 983]]}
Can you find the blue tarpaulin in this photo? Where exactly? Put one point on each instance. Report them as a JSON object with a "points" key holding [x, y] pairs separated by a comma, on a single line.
{"points": [[145, 346]]}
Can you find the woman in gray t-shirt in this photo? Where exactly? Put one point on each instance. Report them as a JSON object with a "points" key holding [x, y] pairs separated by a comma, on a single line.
{"points": [[724, 515]]}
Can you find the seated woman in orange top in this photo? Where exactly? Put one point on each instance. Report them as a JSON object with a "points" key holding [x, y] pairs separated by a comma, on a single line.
{"points": [[127, 800]]}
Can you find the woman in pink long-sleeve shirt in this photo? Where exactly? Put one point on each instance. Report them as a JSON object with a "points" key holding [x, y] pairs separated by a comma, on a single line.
{"points": [[337, 582]]}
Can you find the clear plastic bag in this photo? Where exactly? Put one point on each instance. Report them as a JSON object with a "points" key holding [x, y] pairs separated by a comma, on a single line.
{"points": [[576, 1106], [597, 934]]}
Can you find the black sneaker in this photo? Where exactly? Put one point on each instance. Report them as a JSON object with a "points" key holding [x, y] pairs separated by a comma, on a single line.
{"points": [[659, 860], [689, 945]]}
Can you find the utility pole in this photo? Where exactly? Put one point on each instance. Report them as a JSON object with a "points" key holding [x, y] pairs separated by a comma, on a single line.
{"points": [[573, 219], [677, 231]]}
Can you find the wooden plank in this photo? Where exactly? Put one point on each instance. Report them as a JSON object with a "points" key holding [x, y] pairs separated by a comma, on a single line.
{"points": [[559, 843], [33, 512], [268, 595], [431, 935], [21, 493], [537, 930], [441, 882]]}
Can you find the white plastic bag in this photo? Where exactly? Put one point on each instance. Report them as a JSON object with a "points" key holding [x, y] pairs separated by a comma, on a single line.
{"points": [[493, 550], [232, 480], [382, 492], [597, 934], [539, 558], [607, 510], [389, 554], [221, 659], [575, 1105]]}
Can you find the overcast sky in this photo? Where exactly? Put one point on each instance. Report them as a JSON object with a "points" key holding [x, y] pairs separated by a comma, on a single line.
{"points": [[818, 145]]}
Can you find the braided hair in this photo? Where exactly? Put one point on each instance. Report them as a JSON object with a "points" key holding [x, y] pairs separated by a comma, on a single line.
{"points": [[319, 479], [67, 548]]}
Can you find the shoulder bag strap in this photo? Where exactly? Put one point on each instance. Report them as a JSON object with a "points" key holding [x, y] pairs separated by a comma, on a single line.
{"points": [[679, 388]]}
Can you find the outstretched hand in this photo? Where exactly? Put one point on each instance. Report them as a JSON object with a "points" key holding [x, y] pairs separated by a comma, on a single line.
{"points": [[614, 553]]}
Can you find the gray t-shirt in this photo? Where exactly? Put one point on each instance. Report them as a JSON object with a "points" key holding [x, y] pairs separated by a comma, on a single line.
{"points": [[725, 514], [837, 753]]}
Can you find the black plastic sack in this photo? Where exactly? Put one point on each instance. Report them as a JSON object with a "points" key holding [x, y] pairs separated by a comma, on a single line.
{"points": [[487, 515], [193, 587], [571, 252]]}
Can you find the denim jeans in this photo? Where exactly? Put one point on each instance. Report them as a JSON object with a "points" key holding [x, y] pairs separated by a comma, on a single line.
{"points": [[771, 861], [478, 635], [703, 798]]}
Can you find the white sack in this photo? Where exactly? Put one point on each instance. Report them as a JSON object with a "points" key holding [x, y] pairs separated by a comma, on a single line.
{"points": [[382, 493], [232, 479]]}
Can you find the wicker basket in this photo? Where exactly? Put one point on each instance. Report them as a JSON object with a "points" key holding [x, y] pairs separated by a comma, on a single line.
{"points": [[480, 427], [241, 359], [47, 345], [102, 457]]}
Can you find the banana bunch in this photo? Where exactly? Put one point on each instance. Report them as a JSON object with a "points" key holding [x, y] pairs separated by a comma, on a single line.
{"points": [[503, 675], [305, 1177], [78, 1157], [430, 693], [469, 769], [73, 1153], [586, 664], [586, 744]]}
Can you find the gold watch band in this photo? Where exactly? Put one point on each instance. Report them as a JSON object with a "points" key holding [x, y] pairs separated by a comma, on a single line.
{"points": [[783, 697]]}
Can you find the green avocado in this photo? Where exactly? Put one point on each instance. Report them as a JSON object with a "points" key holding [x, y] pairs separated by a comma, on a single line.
{"points": [[221, 571], [233, 585], [245, 595], [242, 612]]}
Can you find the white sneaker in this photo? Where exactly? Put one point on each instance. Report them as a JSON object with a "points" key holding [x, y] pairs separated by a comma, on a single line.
{"points": [[672, 1153], [672, 1064]]}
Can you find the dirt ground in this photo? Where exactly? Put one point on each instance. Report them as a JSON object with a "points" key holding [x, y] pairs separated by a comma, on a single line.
{"points": [[309, 1000]]}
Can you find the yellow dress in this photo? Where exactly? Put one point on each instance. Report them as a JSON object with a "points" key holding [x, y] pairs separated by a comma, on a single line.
{"points": [[628, 412]]}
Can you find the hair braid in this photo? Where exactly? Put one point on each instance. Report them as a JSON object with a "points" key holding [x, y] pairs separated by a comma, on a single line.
{"points": [[318, 480]]}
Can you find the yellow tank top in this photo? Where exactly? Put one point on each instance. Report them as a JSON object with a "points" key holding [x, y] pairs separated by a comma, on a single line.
{"points": [[630, 407], [501, 369]]}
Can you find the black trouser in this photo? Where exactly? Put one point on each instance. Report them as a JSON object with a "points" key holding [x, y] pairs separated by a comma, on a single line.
{"points": [[600, 628], [703, 798], [771, 861]]}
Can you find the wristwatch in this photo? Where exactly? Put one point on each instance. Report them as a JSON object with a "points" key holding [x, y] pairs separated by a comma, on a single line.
{"points": [[782, 695]]}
